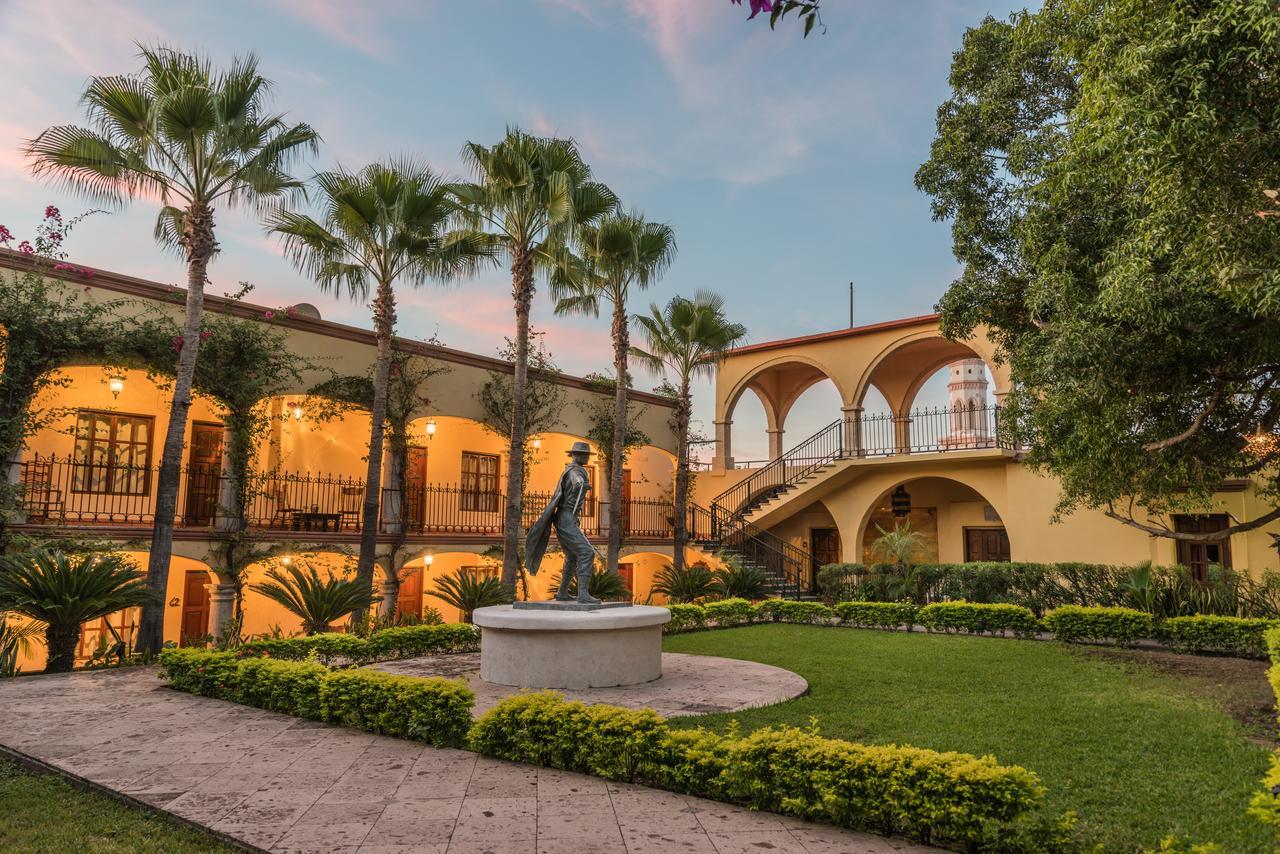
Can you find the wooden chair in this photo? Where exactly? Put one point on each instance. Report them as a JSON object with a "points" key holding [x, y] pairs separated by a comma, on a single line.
{"points": [[351, 507], [283, 515], [40, 498]]}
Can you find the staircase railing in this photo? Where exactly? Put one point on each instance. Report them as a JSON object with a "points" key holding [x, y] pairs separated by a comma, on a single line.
{"points": [[813, 453], [730, 531]]}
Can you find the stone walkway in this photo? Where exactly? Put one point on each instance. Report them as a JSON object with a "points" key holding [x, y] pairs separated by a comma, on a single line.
{"points": [[288, 785], [690, 684]]}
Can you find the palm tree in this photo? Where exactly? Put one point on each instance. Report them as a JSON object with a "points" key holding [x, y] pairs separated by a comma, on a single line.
{"points": [[384, 225], [620, 251], [63, 592], [467, 591], [531, 193], [193, 139], [318, 602], [687, 337]]}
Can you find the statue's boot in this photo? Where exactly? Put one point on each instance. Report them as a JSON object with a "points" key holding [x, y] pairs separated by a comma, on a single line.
{"points": [[563, 595], [584, 589]]}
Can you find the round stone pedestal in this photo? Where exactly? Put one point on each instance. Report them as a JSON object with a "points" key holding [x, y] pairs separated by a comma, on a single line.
{"points": [[570, 649]]}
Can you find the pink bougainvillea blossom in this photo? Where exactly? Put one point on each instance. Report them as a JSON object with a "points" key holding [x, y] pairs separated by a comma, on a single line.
{"points": [[5, 234], [757, 6], [50, 212], [177, 343], [206, 335], [74, 269], [269, 314], [26, 248]]}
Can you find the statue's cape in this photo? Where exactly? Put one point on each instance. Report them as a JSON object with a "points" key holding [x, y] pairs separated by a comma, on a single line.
{"points": [[535, 542]]}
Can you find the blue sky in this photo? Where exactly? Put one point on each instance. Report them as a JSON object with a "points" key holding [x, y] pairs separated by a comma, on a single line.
{"points": [[784, 166]]}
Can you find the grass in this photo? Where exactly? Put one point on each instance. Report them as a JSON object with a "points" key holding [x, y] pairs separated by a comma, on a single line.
{"points": [[44, 812], [1138, 754]]}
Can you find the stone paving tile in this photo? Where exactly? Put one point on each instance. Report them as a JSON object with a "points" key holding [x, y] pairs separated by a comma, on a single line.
{"points": [[292, 786]]}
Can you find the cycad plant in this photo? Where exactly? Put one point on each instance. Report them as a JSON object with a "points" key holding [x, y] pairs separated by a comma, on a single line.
{"points": [[194, 139], [317, 601], [604, 585], [467, 591], [384, 225], [65, 591], [736, 580], [684, 585], [531, 194], [687, 338], [620, 252], [16, 639]]}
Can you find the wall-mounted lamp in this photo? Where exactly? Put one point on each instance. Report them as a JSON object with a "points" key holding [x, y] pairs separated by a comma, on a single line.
{"points": [[537, 443], [431, 427], [115, 382], [428, 559], [287, 560], [296, 406]]}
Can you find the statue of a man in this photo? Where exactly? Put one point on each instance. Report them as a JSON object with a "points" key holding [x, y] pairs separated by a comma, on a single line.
{"points": [[564, 512]]}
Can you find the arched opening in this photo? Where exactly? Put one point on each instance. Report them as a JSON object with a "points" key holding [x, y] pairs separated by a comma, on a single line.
{"points": [[956, 522], [779, 386]]}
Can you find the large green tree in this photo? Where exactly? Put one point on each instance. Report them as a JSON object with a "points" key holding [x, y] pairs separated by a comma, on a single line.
{"points": [[1103, 164], [192, 138], [621, 252], [385, 225], [686, 338], [531, 194]]}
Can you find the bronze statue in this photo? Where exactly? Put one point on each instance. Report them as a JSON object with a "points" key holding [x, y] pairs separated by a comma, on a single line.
{"points": [[564, 511]]}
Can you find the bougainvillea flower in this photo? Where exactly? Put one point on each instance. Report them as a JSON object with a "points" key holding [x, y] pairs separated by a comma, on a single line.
{"points": [[757, 6]]}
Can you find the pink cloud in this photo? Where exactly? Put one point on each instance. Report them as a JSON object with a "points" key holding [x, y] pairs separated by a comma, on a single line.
{"points": [[359, 26]]}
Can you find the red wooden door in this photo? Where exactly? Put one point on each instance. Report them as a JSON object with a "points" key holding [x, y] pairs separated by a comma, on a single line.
{"points": [[409, 602], [204, 474], [195, 606]]}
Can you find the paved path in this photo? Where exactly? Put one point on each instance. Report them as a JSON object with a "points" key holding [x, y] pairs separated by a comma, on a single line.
{"points": [[290, 785], [690, 684]]}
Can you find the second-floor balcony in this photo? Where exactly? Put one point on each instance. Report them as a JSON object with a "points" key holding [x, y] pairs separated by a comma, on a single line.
{"points": [[64, 492]]}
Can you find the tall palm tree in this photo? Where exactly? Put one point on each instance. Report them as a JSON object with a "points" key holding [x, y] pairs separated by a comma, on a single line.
{"points": [[531, 193], [63, 592], [193, 139], [687, 338], [619, 252], [384, 225]]}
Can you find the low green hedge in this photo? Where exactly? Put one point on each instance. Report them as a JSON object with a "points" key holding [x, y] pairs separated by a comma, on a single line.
{"points": [[729, 612], [1207, 633], [1265, 805], [685, 618], [877, 615], [976, 618], [910, 791], [1074, 624], [395, 642], [437, 711]]}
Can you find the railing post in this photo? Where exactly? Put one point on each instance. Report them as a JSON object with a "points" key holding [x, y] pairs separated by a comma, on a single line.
{"points": [[902, 433]]}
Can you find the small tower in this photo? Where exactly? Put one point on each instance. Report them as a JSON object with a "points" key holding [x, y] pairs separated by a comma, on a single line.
{"points": [[967, 401]]}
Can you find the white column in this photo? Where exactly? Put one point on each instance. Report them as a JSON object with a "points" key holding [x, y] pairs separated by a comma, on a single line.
{"points": [[387, 600], [723, 458], [222, 608]]}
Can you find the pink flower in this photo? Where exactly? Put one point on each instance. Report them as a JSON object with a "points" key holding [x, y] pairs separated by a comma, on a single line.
{"points": [[63, 268], [5, 234], [177, 343], [51, 212], [26, 248], [206, 335], [757, 6], [55, 236], [268, 314]]}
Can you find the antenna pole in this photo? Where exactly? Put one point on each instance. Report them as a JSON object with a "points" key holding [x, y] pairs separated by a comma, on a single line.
{"points": [[851, 305]]}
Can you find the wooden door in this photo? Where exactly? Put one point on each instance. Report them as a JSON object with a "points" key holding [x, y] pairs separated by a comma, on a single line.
{"points": [[195, 607], [824, 548], [986, 544], [204, 473], [409, 602], [415, 478]]}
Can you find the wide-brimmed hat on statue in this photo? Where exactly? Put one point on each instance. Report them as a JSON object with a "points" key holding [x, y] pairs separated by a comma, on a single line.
{"points": [[579, 448]]}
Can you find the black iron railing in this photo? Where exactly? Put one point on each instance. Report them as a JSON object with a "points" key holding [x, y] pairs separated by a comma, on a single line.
{"points": [[723, 531]]}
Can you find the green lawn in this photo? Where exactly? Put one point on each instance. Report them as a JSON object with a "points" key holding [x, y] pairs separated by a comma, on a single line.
{"points": [[1136, 753], [43, 812]]}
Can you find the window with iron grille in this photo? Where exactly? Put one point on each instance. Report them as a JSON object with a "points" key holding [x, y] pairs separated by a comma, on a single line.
{"points": [[112, 453], [480, 482], [1199, 556]]}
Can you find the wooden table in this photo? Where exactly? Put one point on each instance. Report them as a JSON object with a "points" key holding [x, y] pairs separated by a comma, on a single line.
{"points": [[316, 521]]}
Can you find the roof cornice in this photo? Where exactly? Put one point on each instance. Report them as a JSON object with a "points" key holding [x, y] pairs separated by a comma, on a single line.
{"points": [[851, 332]]}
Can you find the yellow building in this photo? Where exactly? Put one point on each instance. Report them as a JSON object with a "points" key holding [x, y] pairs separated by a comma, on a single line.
{"points": [[92, 471], [823, 498]]}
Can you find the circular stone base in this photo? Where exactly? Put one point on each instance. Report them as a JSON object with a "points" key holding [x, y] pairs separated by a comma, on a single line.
{"points": [[570, 649]]}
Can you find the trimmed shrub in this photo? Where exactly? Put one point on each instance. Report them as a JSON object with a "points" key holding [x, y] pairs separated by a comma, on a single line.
{"points": [[877, 615], [893, 790], [1206, 633], [685, 618], [978, 618], [804, 613], [1265, 805], [437, 711], [729, 612], [330, 648], [770, 610], [1073, 624]]}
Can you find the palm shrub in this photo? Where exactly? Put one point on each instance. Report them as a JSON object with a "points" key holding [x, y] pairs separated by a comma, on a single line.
{"points": [[735, 580], [65, 591], [318, 601], [604, 585], [16, 639], [684, 585], [468, 591], [531, 194], [687, 337], [899, 547], [195, 139]]}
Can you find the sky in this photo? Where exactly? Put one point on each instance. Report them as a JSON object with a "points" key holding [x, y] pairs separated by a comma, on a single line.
{"points": [[784, 165]]}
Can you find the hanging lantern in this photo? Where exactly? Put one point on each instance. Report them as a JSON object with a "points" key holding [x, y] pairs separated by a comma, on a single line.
{"points": [[901, 502], [116, 383], [431, 427], [297, 410]]}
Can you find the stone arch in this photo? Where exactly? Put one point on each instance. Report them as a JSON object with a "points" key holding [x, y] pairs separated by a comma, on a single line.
{"points": [[905, 364], [778, 383], [958, 500]]}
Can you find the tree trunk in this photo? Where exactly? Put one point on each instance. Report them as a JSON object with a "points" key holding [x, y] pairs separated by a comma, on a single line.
{"points": [[522, 294], [621, 343], [681, 531], [199, 243], [61, 646], [384, 321]]}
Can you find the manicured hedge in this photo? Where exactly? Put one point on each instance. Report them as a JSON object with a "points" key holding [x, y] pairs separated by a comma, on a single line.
{"points": [[685, 618], [395, 642], [1206, 633], [932, 796], [437, 711], [1073, 624], [977, 618], [1265, 805], [877, 615], [729, 612]]}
